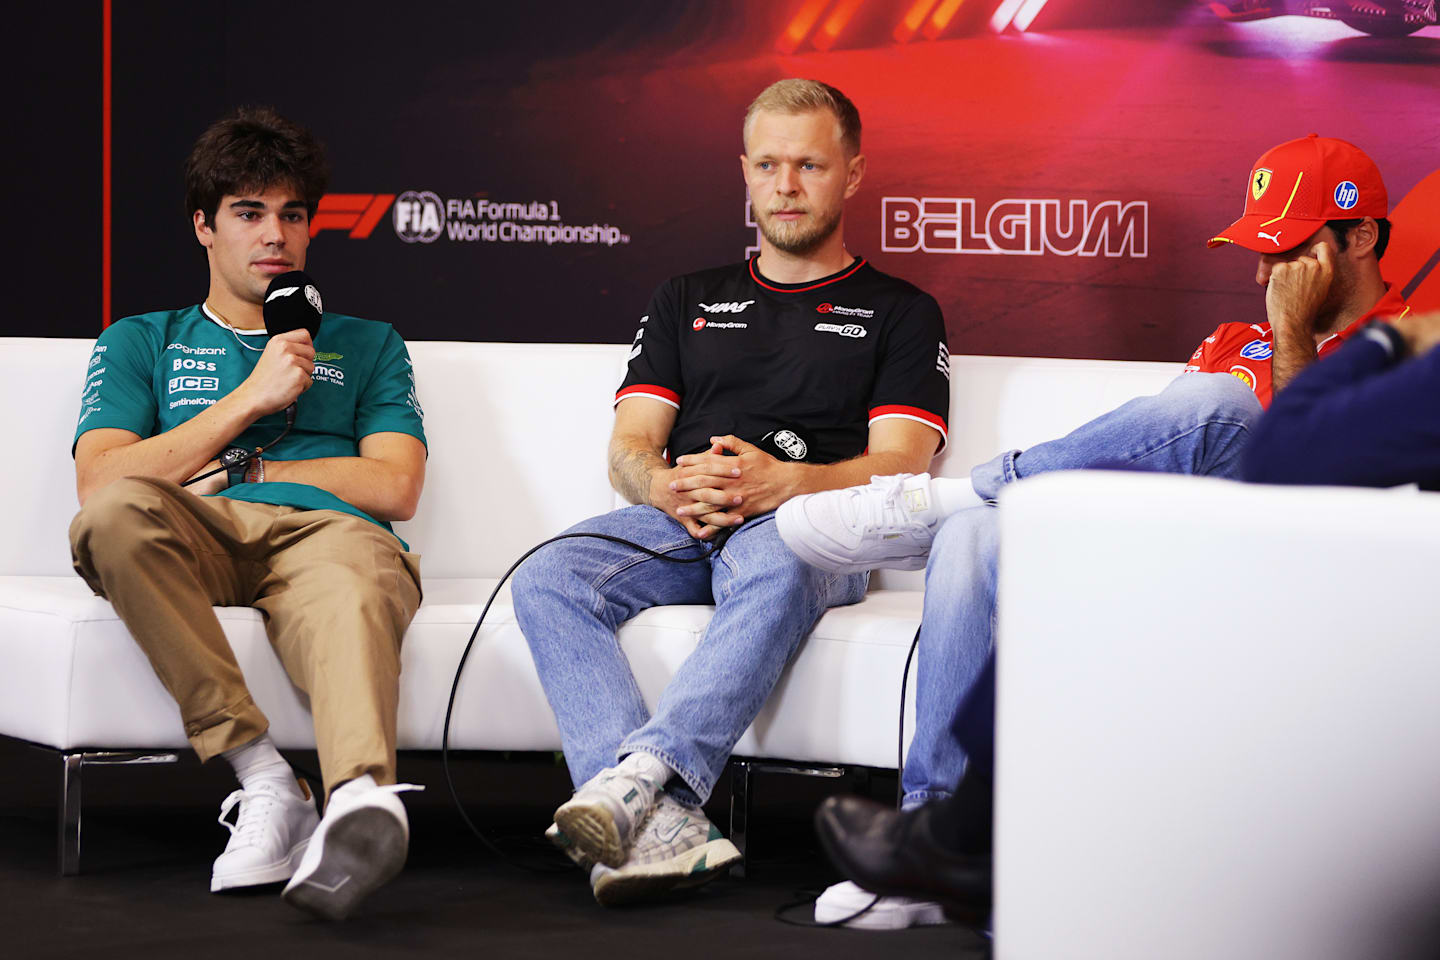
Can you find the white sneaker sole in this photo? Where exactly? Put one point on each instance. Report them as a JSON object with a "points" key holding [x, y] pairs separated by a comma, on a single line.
{"points": [[360, 852], [795, 531], [888, 913], [592, 830], [282, 869], [647, 880]]}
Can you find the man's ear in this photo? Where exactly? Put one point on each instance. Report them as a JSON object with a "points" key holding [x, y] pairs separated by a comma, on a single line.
{"points": [[854, 173], [1361, 238], [203, 233]]}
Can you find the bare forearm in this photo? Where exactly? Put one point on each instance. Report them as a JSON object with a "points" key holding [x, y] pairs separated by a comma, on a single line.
{"points": [[812, 478], [383, 490], [633, 463], [1292, 354], [174, 455]]}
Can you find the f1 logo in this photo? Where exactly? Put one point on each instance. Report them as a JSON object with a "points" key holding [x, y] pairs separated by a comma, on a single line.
{"points": [[356, 212]]}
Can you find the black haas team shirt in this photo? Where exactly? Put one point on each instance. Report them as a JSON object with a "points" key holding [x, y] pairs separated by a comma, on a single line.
{"points": [[800, 369]]}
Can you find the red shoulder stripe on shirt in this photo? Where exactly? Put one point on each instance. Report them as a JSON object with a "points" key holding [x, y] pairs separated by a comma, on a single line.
{"points": [[814, 286], [910, 413], [650, 390]]}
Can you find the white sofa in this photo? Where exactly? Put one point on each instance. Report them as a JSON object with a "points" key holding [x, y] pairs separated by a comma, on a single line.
{"points": [[1218, 721], [517, 438]]}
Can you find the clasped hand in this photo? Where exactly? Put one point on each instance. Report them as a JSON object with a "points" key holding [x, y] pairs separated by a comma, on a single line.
{"points": [[715, 490]]}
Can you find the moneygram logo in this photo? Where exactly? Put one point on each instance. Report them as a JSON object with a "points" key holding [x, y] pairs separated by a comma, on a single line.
{"points": [[1015, 227], [419, 217]]}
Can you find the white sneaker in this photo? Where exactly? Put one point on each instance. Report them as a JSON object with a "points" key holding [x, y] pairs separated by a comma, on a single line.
{"points": [[605, 813], [359, 846], [890, 522], [889, 913], [677, 847], [557, 837], [268, 838]]}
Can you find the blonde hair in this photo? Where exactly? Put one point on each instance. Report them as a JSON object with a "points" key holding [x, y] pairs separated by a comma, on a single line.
{"points": [[797, 95]]}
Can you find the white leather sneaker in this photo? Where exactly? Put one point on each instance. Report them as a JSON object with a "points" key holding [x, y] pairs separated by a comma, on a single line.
{"points": [[268, 838], [359, 846], [887, 913], [889, 522]]}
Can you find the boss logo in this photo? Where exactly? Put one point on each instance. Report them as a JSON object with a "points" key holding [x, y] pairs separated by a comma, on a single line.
{"points": [[185, 363]]}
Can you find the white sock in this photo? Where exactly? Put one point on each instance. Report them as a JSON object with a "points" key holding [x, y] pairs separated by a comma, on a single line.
{"points": [[259, 760], [953, 494], [644, 763]]}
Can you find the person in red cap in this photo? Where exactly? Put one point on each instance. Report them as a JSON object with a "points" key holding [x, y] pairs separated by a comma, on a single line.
{"points": [[1315, 212]]}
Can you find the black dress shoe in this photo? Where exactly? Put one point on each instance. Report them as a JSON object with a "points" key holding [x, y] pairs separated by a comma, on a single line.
{"points": [[896, 853]]}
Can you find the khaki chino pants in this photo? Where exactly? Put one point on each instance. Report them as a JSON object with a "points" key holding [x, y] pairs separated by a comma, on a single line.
{"points": [[336, 592]]}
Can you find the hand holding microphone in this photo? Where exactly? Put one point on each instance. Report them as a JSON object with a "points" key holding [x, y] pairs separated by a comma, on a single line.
{"points": [[292, 312]]}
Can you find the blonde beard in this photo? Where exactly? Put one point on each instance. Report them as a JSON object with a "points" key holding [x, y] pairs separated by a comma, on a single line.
{"points": [[794, 238]]}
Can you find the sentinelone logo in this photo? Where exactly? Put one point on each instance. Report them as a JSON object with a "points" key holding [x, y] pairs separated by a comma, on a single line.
{"points": [[422, 216], [1016, 227]]}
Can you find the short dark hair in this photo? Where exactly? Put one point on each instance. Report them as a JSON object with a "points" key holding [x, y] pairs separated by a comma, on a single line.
{"points": [[253, 148], [1343, 227]]}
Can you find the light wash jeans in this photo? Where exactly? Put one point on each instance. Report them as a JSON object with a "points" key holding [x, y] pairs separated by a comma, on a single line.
{"points": [[1197, 425], [572, 596]]}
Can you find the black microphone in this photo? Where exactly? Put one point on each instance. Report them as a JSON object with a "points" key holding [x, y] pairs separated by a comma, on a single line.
{"points": [[292, 303]]}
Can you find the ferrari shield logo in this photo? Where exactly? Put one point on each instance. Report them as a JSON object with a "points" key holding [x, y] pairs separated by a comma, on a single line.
{"points": [[1259, 180]]}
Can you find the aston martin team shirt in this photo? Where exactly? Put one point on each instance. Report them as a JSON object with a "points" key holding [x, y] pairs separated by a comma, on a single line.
{"points": [[805, 366], [150, 373]]}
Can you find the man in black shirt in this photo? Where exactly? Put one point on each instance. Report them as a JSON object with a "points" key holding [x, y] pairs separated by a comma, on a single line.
{"points": [[801, 370]]}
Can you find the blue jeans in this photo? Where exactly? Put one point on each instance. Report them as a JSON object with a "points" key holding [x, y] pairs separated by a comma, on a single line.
{"points": [[572, 596], [1197, 425]]}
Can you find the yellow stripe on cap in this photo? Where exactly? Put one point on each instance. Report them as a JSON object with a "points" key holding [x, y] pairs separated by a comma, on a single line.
{"points": [[1293, 190]]}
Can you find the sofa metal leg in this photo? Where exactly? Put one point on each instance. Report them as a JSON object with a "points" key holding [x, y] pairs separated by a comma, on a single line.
{"points": [[740, 785], [72, 766], [739, 811]]}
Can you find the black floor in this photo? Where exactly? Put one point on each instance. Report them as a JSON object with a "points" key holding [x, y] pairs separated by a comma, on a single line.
{"points": [[150, 835]]}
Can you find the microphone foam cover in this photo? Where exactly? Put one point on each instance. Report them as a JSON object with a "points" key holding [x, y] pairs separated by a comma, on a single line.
{"points": [[292, 303]]}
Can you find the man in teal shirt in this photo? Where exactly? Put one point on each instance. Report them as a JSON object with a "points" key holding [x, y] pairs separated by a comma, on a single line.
{"points": [[304, 535]]}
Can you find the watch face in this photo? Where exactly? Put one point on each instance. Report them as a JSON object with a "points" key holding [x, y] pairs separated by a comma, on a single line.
{"points": [[233, 455]]}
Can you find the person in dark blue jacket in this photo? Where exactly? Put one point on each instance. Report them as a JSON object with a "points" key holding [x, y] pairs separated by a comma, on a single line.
{"points": [[1369, 416]]}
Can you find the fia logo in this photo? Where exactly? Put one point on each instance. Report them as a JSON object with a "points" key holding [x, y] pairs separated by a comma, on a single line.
{"points": [[1346, 195], [419, 216]]}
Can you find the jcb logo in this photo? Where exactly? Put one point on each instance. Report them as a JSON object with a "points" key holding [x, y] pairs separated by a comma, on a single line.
{"points": [[356, 212], [186, 384]]}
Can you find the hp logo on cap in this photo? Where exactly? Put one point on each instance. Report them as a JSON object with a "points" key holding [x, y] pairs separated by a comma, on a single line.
{"points": [[1346, 195]]}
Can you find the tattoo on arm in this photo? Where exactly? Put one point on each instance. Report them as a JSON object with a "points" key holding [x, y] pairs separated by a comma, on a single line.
{"points": [[630, 470]]}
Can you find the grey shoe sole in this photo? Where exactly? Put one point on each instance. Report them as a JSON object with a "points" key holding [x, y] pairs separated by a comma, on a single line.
{"points": [[645, 881], [361, 852], [592, 829]]}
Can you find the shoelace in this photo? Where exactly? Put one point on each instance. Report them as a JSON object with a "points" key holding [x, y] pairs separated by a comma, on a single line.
{"points": [[885, 512], [256, 808]]}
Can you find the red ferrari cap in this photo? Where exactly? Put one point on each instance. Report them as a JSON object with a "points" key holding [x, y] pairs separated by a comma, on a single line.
{"points": [[1297, 186]]}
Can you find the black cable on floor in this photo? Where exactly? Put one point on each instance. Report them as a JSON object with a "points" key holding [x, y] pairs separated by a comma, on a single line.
{"points": [[717, 545]]}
